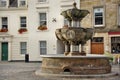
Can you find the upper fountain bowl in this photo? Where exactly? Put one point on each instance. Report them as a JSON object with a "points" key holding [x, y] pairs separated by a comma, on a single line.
{"points": [[74, 14]]}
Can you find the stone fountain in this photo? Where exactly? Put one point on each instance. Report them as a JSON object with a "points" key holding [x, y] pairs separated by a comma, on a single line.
{"points": [[74, 61]]}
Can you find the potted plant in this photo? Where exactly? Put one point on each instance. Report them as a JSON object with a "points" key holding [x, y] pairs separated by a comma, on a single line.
{"points": [[4, 30], [42, 27], [21, 30]]}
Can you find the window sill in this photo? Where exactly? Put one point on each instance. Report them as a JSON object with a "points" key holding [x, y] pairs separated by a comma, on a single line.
{"points": [[99, 26], [42, 30]]}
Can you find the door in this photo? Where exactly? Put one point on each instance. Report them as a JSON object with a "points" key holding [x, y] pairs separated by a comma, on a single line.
{"points": [[4, 50], [97, 45], [97, 48]]}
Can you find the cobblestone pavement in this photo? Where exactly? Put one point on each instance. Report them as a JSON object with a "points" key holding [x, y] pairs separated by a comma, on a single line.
{"points": [[26, 71]]}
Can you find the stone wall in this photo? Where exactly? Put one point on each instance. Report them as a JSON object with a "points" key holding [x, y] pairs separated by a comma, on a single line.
{"points": [[111, 14]]}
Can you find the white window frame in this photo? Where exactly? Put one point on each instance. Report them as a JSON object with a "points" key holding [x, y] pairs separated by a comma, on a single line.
{"points": [[43, 47], [23, 50], [45, 20], [4, 23], [25, 23], [3, 5], [99, 10]]}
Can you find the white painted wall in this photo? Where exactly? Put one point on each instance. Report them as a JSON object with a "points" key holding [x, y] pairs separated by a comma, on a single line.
{"points": [[53, 9], [12, 36]]}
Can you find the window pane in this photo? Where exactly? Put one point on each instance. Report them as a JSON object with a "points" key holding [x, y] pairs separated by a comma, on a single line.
{"points": [[23, 21], [115, 45], [3, 3], [4, 22], [98, 20], [43, 19], [23, 46], [42, 43], [42, 16], [43, 22], [98, 14], [22, 2], [43, 49], [13, 3], [66, 22]]}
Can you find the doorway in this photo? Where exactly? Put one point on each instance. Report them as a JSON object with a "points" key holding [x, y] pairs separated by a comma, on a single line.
{"points": [[97, 45], [4, 51]]}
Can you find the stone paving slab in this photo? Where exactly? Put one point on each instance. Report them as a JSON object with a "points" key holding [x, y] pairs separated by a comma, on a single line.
{"points": [[26, 71]]}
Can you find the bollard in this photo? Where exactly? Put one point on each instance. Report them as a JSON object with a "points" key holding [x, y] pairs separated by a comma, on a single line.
{"points": [[26, 57]]}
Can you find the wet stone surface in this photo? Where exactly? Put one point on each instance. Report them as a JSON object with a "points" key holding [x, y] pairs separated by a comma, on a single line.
{"points": [[26, 71]]}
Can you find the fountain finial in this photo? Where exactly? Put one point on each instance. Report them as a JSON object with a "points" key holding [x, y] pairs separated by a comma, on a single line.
{"points": [[74, 5]]}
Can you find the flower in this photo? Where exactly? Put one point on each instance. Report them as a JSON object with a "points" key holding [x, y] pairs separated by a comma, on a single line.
{"points": [[21, 30], [4, 30], [42, 27]]}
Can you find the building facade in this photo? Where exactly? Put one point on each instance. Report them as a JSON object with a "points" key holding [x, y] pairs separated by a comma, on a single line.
{"points": [[28, 27], [13, 29], [44, 19], [104, 17]]}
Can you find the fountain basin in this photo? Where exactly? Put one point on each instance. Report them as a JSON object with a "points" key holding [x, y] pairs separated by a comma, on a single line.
{"points": [[75, 65]]}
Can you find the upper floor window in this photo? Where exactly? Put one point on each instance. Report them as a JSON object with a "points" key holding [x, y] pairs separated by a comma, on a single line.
{"points": [[23, 47], [4, 22], [13, 3], [98, 17], [22, 3], [43, 19], [43, 47], [3, 3], [23, 22]]}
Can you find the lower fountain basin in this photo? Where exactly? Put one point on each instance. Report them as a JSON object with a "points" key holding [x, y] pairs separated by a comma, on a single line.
{"points": [[75, 65]]}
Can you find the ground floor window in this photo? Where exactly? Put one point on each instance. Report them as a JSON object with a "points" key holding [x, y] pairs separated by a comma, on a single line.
{"points": [[43, 47], [115, 44], [23, 47]]}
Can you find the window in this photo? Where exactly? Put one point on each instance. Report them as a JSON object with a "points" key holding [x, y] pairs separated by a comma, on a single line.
{"points": [[23, 22], [115, 44], [3, 3], [42, 0], [13, 3], [4, 22], [43, 20], [43, 47], [23, 47], [66, 22], [119, 16], [98, 17], [97, 39], [22, 2]]}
